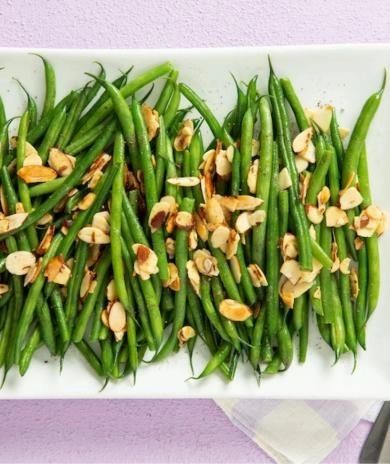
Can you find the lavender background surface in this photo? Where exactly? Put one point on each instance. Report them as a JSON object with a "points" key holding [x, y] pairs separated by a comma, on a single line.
{"points": [[173, 431]]}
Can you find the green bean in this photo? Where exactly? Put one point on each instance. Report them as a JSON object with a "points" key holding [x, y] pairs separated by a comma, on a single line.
{"points": [[172, 108], [318, 177], [50, 80], [226, 275], [107, 357], [4, 142], [79, 144], [246, 281], [194, 307], [31, 106], [246, 148], [267, 151], [257, 335], [161, 157], [46, 325], [136, 228], [315, 301], [267, 352], [320, 255], [325, 277], [99, 306], [304, 332], [359, 134], [324, 329], [3, 117], [5, 298], [181, 258], [272, 256], [129, 89], [171, 172], [166, 92], [298, 312], [274, 365], [337, 328], [297, 210], [218, 358], [285, 344], [5, 338], [283, 210], [46, 187], [90, 356], [57, 306], [150, 187], [93, 90], [293, 100], [361, 301], [241, 106], [28, 351], [196, 152], [89, 303], [336, 139]]}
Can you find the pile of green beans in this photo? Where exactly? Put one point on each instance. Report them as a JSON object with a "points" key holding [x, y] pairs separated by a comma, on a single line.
{"points": [[124, 261]]}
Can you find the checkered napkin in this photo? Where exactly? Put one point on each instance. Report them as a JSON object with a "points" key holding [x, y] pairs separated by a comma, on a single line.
{"points": [[297, 432]]}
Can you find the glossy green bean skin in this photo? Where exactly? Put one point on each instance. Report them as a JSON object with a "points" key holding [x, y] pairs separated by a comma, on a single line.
{"points": [[31, 107], [293, 100], [337, 328], [51, 135], [325, 278], [272, 256], [298, 312], [246, 148], [58, 309], [196, 153], [304, 332], [166, 92], [336, 139], [267, 151], [171, 111], [274, 365], [361, 301], [90, 356], [79, 144], [359, 134], [161, 157], [31, 346], [285, 344], [257, 335], [318, 177], [50, 81], [218, 358]]}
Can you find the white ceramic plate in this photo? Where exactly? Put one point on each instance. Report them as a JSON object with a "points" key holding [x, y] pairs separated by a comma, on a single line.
{"points": [[342, 75]]}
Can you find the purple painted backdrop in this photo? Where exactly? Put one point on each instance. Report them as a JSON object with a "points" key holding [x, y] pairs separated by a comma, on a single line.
{"points": [[163, 431]]}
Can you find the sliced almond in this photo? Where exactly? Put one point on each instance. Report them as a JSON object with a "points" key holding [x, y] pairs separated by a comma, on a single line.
{"points": [[301, 164], [19, 208], [174, 281], [285, 181], [368, 222], [236, 269], [317, 293], [4, 225], [97, 165], [117, 317], [232, 244], [322, 116], [240, 203], [220, 237], [16, 220], [312, 232], [93, 235], [87, 201], [111, 292], [193, 240], [214, 213], [193, 276], [151, 118], [185, 333], [45, 220], [345, 266], [19, 262], [101, 221], [359, 243], [309, 153], [32, 160], [200, 227], [354, 282], [35, 174], [314, 214], [291, 270], [146, 261], [223, 165], [86, 283], [234, 310], [289, 292], [104, 317], [343, 132], [94, 253], [158, 215], [310, 276], [257, 276], [33, 272], [350, 198], [206, 263], [46, 241], [302, 139], [170, 246], [242, 223], [304, 182], [63, 164], [286, 294], [57, 271], [95, 178], [3, 289], [335, 258], [257, 217], [184, 181], [184, 136], [252, 176], [322, 198], [335, 217], [29, 150], [289, 246], [184, 220]]}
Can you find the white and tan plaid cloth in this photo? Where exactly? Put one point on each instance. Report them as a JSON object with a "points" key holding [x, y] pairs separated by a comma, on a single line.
{"points": [[299, 432]]}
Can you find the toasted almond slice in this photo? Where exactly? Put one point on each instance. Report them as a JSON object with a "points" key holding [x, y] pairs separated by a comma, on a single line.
{"points": [[29, 150], [310, 276], [117, 317], [291, 270], [174, 281], [19, 208], [314, 215], [146, 261], [46, 241], [284, 179], [335, 217], [158, 215], [97, 165], [45, 220], [317, 293], [230, 152], [214, 212], [350, 198], [322, 198], [255, 147], [86, 283], [343, 132], [345, 266], [63, 164], [19, 262], [95, 178], [335, 257], [104, 317], [184, 220], [35, 174], [286, 294], [359, 243], [242, 223], [184, 137], [302, 140], [289, 246], [193, 239], [234, 310], [252, 176], [57, 271], [354, 282], [87, 201], [205, 263], [3, 203], [94, 253], [4, 225], [312, 232], [257, 217], [151, 118], [301, 164], [232, 244], [111, 292], [185, 333], [101, 220], [223, 165], [193, 276], [240, 203], [170, 246], [16, 220], [184, 181], [236, 269], [257, 276], [289, 292], [33, 272], [304, 181], [3, 289], [309, 153], [322, 116], [93, 235], [32, 160], [200, 227]]}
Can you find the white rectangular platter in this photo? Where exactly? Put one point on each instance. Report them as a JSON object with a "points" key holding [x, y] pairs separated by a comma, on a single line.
{"points": [[341, 75]]}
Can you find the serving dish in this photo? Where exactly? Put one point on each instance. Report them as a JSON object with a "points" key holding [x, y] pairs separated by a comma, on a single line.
{"points": [[340, 75]]}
